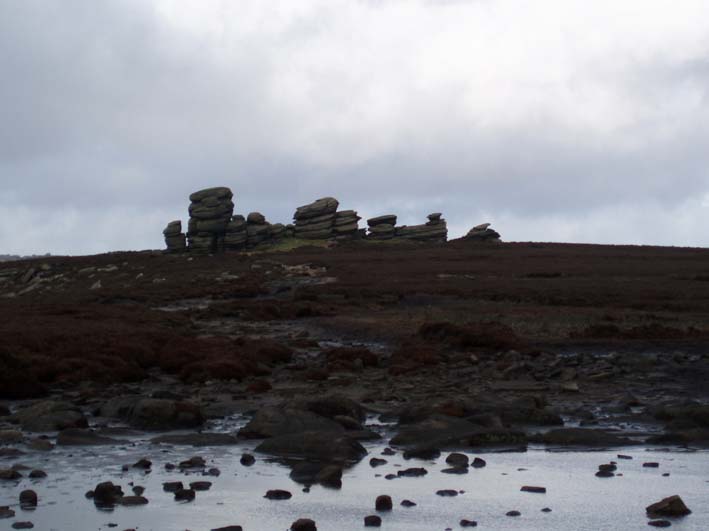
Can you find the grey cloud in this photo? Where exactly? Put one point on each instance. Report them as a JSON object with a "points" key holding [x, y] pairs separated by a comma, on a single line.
{"points": [[111, 117]]}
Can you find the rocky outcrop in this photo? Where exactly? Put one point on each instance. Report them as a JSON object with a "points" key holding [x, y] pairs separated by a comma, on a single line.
{"points": [[235, 236], [435, 230], [258, 230], [482, 233], [316, 220], [347, 225], [382, 227], [210, 212], [175, 239]]}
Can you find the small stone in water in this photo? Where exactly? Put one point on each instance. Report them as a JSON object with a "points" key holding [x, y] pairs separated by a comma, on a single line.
{"points": [[247, 460], [546, 510], [408, 503], [38, 474], [184, 495], [28, 499], [651, 465], [23, 525], [513, 513], [478, 463], [172, 486], [200, 485], [468, 523], [372, 521], [6, 512], [538, 490], [383, 503], [447, 492], [375, 462], [138, 490], [659, 523], [278, 494], [303, 524]]}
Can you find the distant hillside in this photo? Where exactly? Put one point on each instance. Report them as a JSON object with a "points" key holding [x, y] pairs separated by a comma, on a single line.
{"points": [[14, 257]]}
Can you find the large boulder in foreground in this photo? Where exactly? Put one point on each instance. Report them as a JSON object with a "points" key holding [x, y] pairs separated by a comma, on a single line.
{"points": [[50, 415], [314, 446], [582, 437], [275, 421], [164, 414], [437, 430]]}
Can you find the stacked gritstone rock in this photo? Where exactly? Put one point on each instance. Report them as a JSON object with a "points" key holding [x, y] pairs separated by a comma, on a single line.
{"points": [[382, 227], [346, 225], [174, 237], [258, 230], [482, 233], [235, 237], [435, 230], [210, 213], [316, 221]]}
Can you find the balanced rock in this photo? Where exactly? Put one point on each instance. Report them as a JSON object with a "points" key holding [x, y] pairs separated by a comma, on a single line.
{"points": [[235, 235], [210, 212], [175, 239], [435, 230], [482, 233], [316, 220], [382, 227]]}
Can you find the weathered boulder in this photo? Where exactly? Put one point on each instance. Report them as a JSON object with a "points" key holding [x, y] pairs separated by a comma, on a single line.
{"points": [[482, 233], [50, 415], [320, 207], [581, 437], [83, 437], [196, 439], [219, 192], [388, 219], [163, 414], [273, 421], [314, 446], [437, 430]]}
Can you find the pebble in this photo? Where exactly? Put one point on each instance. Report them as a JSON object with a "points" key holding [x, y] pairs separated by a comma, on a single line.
{"points": [[537, 490], [447, 492], [28, 499], [651, 465], [38, 474], [6, 512], [372, 521], [278, 494], [468, 523], [513, 513], [303, 524], [478, 463], [375, 462], [172, 486], [383, 503], [184, 495], [201, 485], [247, 460], [23, 525], [408, 503], [659, 523]]}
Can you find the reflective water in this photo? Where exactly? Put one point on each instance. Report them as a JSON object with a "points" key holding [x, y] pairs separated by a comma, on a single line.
{"points": [[578, 499]]}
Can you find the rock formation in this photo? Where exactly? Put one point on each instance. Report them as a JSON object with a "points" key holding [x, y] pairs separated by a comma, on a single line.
{"points": [[346, 224], [435, 230], [258, 230], [210, 211], [316, 221], [175, 239], [382, 227], [482, 233], [235, 237]]}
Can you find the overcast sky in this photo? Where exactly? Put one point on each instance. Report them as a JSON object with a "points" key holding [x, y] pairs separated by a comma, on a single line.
{"points": [[561, 120]]}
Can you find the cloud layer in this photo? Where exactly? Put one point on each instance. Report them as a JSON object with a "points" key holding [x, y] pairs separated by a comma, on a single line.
{"points": [[558, 121]]}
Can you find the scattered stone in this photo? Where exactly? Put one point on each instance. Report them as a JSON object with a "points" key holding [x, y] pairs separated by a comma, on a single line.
{"points": [[383, 503], [455, 470], [478, 463], [28, 499], [538, 490], [372, 521], [659, 523], [315, 446], [621, 456], [107, 494], [133, 501], [247, 460], [651, 465], [457, 460], [468, 523], [23, 525], [172, 486], [229, 528], [375, 462], [278, 494], [513, 513], [303, 524], [138, 490], [6, 512], [388, 451], [546, 510], [144, 464], [447, 492], [185, 495], [408, 503], [412, 472], [670, 506], [193, 462], [201, 485]]}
